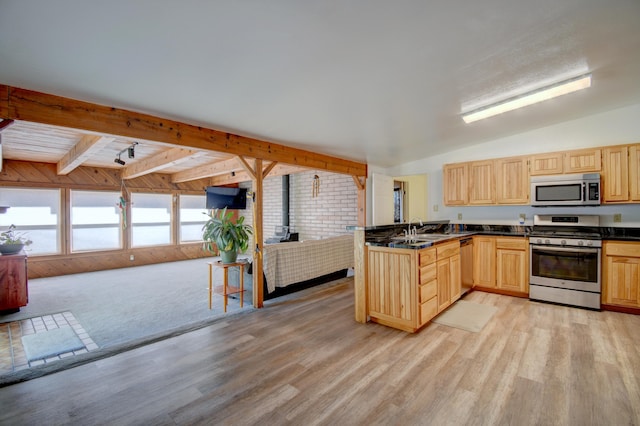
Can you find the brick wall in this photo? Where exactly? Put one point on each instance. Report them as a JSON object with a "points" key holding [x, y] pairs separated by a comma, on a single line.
{"points": [[323, 216], [330, 212]]}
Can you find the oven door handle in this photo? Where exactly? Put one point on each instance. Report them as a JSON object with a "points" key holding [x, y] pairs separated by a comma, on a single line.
{"points": [[565, 250]]}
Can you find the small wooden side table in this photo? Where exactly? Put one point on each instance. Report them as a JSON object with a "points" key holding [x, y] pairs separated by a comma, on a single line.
{"points": [[225, 289]]}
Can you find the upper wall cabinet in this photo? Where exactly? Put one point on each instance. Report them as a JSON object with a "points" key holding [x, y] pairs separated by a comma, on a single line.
{"points": [[621, 174], [615, 174], [634, 172], [455, 182], [512, 180], [547, 164], [583, 161], [482, 186], [578, 161], [503, 181]]}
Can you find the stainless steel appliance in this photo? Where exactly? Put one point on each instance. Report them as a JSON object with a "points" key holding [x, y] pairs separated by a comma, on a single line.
{"points": [[565, 254], [565, 190]]}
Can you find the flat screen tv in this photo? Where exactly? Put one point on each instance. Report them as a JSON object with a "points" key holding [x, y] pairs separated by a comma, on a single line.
{"points": [[219, 197]]}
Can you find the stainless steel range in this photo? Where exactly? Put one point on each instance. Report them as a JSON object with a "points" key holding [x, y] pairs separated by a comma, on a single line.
{"points": [[565, 254]]}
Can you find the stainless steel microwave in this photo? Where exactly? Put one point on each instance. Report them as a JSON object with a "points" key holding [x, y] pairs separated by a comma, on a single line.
{"points": [[566, 190]]}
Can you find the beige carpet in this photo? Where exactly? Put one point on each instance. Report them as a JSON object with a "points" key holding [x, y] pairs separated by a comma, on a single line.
{"points": [[467, 316]]}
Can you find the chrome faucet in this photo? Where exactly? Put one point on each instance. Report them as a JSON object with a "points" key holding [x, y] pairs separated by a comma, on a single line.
{"points": [[412, 232]]}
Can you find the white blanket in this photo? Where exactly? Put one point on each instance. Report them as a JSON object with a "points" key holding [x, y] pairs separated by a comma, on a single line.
{"points": [[289, 263]]}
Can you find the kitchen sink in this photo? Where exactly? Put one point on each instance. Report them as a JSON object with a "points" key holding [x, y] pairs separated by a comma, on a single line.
{"points": [[427, 237]]}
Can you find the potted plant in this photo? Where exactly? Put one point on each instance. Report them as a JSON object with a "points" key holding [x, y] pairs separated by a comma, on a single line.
{"points": [[221, 234], [12, 242]]}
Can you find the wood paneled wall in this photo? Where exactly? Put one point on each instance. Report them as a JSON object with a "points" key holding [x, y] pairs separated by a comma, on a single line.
{"points": [[43, 175]]}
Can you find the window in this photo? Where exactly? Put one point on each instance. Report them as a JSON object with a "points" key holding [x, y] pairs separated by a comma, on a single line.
{"points": [[95, 220], [192, 218], [36, 212], [150, 219]]}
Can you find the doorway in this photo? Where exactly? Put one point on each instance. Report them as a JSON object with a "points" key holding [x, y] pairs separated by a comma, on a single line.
{"points": [[399, 201]]}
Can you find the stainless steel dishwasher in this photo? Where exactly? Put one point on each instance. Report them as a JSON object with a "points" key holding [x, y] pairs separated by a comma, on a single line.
{"points": [[466, 264]]}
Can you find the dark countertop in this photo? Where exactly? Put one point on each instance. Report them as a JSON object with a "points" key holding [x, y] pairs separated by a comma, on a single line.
{"points": [[417, 244], [620, 234], [383, 236]]}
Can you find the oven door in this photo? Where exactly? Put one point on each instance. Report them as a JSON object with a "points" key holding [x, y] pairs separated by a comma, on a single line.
{"points": [[575, 268]]}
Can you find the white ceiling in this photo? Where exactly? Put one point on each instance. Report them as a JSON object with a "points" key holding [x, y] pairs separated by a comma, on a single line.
{"points": [[383, 82]]}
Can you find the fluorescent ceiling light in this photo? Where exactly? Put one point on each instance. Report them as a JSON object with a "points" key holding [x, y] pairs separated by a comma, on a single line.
{"points": [[539, 95]]}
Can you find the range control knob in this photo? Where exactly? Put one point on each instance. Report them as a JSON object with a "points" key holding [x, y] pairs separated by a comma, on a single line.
{"points": [[580, 243], [547, 242], [563, 242], [539, 241], [589, 243]]}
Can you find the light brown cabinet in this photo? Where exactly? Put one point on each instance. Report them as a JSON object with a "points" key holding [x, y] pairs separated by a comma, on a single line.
{"points": [[501, 263], [481, 183], [583, 161], [484, 261], [491, 182], [512, 264], [13, 282], [547, 164], [455, 183], [615, 176], [407, 288], [512, 180], [634, 173], [621, 274], [449, 274], [428, 290], [621, 174], [392, 281], [506, 181]]}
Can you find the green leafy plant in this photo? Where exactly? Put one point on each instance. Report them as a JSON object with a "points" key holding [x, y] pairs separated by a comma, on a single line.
{"points": [[11, 236], [221, 233]]}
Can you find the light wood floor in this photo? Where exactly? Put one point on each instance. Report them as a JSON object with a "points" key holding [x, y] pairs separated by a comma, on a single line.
{"points": [[306, 361]]}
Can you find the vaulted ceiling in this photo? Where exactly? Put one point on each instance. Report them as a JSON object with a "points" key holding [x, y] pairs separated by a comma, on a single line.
{"points": [[367, 80]]}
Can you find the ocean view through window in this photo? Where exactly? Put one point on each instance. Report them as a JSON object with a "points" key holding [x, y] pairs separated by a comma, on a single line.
{"points": [[36, 212], [95, 221]]}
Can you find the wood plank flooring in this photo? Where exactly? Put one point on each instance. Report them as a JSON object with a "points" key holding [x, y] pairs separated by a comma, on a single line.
{"points": [[304, 360]]}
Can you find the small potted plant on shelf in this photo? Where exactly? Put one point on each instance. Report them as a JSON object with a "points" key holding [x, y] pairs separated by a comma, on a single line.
{"points": [[12, 242], [222, 235]]}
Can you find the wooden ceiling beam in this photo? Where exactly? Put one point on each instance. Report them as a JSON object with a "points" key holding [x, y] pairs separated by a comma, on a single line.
{"points": [[247, 167], [238, 177], [28, 105], [268, 169], [5, 123], [207, 170], [159, 161], [81, 151]]}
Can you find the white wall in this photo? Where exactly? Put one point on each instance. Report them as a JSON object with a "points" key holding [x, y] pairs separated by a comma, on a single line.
{"points": [[614, 127]]}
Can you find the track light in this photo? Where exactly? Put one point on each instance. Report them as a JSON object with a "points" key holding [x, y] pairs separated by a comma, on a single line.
{"points": [[130, 152]]}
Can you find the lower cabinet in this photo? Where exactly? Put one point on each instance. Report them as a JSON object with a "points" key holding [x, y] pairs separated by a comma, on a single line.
{"points": [[621, 274], [501, 263], [407, 288], [392, 278], [512, 264], [484, 261], [428, 285], [449, 274]]}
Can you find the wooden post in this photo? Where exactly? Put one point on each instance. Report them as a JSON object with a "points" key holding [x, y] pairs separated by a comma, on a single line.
{"points": [[258, 279], [360, 254]]}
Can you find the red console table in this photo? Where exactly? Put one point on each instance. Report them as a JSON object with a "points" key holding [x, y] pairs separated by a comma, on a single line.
{"points": [[13, 281]]}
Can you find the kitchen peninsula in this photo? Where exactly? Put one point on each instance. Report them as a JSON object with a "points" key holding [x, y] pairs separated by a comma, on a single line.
{"points": [[405, 275]]}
